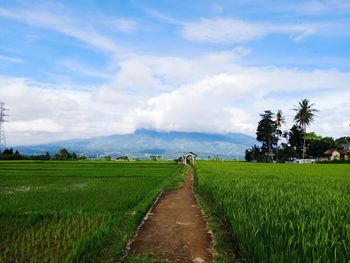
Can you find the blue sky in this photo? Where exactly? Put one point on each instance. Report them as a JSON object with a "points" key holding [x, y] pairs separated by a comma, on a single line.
{"points": [[72, 69]]}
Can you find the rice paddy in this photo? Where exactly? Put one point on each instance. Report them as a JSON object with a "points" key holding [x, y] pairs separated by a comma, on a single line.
{"points": [[75, 211], [282, 213]]}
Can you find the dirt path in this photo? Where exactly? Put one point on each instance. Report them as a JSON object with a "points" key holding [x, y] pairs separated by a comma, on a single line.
{"points": [[175, 230]]}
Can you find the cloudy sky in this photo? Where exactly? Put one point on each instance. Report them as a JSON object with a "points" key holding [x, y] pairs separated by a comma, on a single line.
{"points": [[72, 69]]}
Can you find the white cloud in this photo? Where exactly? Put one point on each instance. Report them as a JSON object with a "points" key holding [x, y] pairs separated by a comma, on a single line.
{"points": [[232, 102], [318, 7], [36, 125], [222, 31], [63, 24], [212, 93], [84, 70], [10, 59], [227, 30], [125, 25], [163, 17], [135, 76]]}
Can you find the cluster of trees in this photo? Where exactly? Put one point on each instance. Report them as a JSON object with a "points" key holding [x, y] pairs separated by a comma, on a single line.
{"points": [[62, 154], [297, 142], [155, 157]]}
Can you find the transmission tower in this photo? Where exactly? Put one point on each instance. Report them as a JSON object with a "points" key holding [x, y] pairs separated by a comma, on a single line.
{"points": [[2, 125]]}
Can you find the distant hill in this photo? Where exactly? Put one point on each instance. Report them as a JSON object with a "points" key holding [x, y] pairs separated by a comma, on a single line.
{"points": [[143, 143]]}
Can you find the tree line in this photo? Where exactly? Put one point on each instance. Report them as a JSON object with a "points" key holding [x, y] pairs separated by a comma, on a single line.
{"points": [[297, 142], [62, 155]]}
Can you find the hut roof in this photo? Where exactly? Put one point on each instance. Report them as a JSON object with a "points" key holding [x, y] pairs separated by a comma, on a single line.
{"points": [[190, 153], [329, 152]]}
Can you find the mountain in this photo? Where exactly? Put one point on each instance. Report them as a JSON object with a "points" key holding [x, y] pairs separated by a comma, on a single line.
{"points": [[143, 143]]}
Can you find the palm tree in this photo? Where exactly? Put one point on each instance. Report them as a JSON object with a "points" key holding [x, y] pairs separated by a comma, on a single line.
{"points": [[280, 119], [305, 114]]}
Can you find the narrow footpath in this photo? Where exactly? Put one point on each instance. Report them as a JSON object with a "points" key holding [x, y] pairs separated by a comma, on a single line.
{"points": [[175, 230]]}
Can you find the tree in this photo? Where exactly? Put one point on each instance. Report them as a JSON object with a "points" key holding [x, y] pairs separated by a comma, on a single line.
{"points": [[305, 114], [295, 137], [316, 148], [155, 157], [107, 158], [47, 156], [254, 154], [65, 155], [342, 140], [280, 120], [74, 156], [266, 133], [312, 136], [8, 152]]}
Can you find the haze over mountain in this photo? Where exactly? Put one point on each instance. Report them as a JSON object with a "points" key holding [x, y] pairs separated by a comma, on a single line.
{"points": [[143, 143]]}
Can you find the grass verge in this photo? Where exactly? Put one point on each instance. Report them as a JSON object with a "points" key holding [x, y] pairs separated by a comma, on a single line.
{"points": [[226, 246]]}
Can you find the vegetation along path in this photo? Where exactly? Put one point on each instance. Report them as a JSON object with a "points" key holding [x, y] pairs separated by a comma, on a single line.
{"points": [[175, 230]]}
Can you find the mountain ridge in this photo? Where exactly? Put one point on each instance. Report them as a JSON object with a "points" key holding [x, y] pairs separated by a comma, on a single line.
{"points": [[145, 142]]}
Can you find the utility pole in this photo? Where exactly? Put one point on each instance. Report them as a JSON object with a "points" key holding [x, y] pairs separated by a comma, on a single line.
{"points": [[2, 125]]}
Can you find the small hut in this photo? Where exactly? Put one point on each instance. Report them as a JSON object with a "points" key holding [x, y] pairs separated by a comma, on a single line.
{"points": [[122, 158], [184, 158]]}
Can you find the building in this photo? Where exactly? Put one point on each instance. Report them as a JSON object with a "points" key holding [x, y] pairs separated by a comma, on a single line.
{"points": [[335, 155], [185, 158]]}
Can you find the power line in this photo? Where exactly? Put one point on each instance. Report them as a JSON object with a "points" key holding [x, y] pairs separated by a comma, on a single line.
{"points": [[2, 125]]}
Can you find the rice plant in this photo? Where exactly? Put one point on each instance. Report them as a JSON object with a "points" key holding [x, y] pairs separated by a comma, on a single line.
{"points": [[282, 213]]}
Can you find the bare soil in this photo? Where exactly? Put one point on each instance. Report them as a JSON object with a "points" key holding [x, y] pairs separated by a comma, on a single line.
{"points": [[176, 230]]}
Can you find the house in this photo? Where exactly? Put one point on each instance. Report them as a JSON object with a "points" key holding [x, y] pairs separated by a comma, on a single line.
{"points": [[335, 155]]}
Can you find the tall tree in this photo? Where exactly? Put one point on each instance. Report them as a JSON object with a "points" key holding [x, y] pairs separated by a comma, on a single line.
{"points": [[295, 137], [266, 132], [280, 120], [305, 114]]}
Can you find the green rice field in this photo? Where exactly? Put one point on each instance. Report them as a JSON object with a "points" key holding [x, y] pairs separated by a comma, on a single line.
{"points": [[86, 211], [75, 211], [279, 212]]}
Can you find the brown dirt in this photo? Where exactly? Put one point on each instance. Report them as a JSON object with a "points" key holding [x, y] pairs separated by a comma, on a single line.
{"points": [[175, 230]]}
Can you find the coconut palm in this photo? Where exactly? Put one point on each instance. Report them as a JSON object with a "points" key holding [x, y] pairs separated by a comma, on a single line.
{"points": [[305, 114], [279, 120]]}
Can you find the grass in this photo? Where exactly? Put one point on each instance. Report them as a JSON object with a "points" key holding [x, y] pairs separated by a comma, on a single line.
{"points": [[225, 245], [73, 211], [282, 213]]}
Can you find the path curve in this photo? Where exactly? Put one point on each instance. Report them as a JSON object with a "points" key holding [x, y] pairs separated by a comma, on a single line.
{"points": [[175, 230]]}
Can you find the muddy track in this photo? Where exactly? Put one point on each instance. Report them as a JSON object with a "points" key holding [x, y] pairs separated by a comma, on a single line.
{"points": [[175, 230]]}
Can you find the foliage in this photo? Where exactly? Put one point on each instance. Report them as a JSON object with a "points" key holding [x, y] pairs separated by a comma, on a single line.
{"points": [[254, 154], [305, 114], [216, 158], [62, 155], [59, 211], [155, 157], [107, 158], [316, 148], [342, 140], [266, 132], [269, 132], [9, 154], [282, 213], [312, 136]]}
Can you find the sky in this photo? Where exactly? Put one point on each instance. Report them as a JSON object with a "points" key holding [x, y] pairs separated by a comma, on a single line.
{"points": [[79, 69]]}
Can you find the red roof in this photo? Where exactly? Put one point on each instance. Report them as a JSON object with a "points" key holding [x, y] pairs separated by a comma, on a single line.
{"points": [[342, 152], [328, 152]]}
